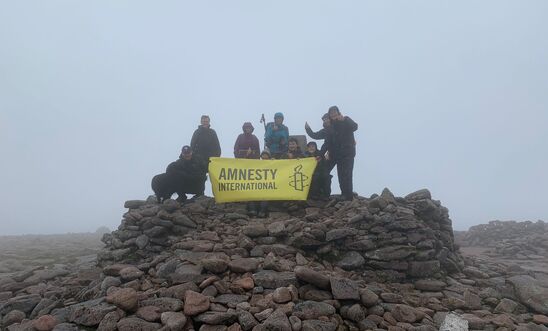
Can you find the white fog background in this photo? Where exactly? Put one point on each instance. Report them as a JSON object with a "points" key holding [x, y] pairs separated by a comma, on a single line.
{"points": [[96, 97]]}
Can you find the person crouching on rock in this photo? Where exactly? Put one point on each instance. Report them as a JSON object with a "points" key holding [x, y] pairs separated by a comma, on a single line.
{"points": [[184, 176]]}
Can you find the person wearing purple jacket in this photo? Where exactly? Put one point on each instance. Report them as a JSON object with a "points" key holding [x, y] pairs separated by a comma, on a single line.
{"points": [[247, 144]]}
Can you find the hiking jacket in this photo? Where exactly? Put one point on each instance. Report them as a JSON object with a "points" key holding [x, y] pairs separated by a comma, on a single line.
{"points": [[276, 140], [245, 142], [205, 143]]}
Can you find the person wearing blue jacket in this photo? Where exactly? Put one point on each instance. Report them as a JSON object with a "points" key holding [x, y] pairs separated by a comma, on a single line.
{"points": [[276, 136]]}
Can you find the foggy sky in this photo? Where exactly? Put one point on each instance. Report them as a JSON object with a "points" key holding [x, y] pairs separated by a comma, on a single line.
{"points": [[96, 97]]}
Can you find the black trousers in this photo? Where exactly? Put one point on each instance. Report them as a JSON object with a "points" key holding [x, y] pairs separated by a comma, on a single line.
{"points": [[345, 169], [165, 185]]}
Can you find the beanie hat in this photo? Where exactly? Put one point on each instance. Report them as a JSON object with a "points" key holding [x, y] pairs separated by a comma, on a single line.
{"points": [[248, 125], [186, 150], [278, 115]]}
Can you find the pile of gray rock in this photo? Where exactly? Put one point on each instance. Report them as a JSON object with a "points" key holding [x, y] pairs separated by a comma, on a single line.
{"points": [[378, 263], [510, 239]]}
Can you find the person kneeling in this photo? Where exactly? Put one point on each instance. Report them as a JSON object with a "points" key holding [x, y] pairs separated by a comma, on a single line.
{"points": [[184, 176]]}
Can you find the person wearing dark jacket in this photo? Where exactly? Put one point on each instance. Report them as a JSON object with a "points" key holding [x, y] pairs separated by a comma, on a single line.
{"points": [[182, 176], [293, 150], [320, 185], [338, 135], [205, 142], [247, 144], [342, 150], [325, 134]]}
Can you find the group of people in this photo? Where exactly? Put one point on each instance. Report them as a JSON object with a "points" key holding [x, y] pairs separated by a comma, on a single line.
{"points": [[188, 174]]}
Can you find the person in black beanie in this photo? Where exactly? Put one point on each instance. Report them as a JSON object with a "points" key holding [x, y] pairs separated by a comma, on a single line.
{"points": [[182, 176]]}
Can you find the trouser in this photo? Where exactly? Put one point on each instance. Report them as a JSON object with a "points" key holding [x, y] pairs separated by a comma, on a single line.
{"points": [[320, 185], [258, 206], [165, 185], [345, 168]]}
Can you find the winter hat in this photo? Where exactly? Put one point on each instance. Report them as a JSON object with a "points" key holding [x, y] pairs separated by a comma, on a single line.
{"points": [[279, 115], [248, 125], [186, 150]]}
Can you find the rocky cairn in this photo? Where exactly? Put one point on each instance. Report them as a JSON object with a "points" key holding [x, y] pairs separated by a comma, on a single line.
{"points": [[378, 263], [510, 239]]}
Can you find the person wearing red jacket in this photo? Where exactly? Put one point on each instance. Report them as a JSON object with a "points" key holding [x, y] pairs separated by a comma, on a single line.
{"points": [[247, 144]]}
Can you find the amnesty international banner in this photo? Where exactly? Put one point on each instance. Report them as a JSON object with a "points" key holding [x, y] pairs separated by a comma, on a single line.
{"points": [[260, 180]]}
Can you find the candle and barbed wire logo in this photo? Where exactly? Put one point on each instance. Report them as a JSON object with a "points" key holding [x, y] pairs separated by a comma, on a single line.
{"points": [[298, 179]]}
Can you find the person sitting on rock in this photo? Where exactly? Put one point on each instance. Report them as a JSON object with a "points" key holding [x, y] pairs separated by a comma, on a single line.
{"points": [[293, 150], [276, 136], [184, 176], [247, 144]]}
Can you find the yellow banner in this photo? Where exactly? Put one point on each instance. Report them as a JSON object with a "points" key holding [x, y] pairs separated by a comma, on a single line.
{"points": [[260, 180]]}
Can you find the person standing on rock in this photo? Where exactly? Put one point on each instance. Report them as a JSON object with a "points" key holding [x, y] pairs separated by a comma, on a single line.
{"points": [[205, 143], [342, 150], [276, 136], [318, 188], [247, 144], [325, 134], [184, 176], [338, 134]]}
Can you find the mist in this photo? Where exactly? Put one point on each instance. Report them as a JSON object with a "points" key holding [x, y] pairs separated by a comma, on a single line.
{"points": [[96, 98]]}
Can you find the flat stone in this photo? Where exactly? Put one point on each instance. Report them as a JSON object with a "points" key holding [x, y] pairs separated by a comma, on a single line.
{"points": [[430, 285], [89, 313], [173, 321], [404, 313], [195, 303], [277, 321], [530, 293], [344, 289], [215, 265], [351, 261], [134, 323], [125, 299], [311, 310], [255, 230], [130, 273], [273, 279], [215, 318], [244, 265], [337, 234], [164, 304], [317, 325], [312, 277], [225, 299], [24, 303], [149, 313]]}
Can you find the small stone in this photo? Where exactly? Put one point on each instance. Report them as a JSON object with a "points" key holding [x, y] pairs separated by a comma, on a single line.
{"points": [[313, 277], [244, 265], [344, 289], [245, 283], [296, 323], [195, 303], [14, 316], [404, 313], [505, 306], [134, 323], [246, 320], [351, 260], [312, 310], [540, 319], [172, 320], [214, 265], [149, 313], [391, 297], [125, 299], [281, 295], [130, 273], [430, 285], [255, 230], [368, 297]]}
